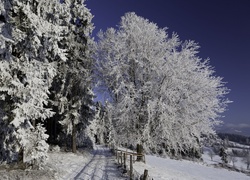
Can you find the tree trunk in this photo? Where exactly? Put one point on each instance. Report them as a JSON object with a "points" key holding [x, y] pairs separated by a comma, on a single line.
{"points": [[21, 156], [139, 150], [73, 138], [34, 123], [145, 175]]}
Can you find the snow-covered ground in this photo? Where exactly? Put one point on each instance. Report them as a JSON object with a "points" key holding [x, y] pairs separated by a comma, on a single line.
{"points": [[100, 165], [61, 165], [96, 165], [169, 169], [239, 164], [68, 164]]}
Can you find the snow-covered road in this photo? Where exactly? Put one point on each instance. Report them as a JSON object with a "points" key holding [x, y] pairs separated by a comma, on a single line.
{"points": [[100, 167]]}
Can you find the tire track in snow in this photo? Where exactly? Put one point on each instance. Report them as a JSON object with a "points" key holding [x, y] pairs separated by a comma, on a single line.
{"points": [[100, 167], [90, 170]]}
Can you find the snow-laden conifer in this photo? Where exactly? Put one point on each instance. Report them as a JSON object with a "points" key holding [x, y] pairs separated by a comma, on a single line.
{"points": [[72, 94], [26, 76], [45, 64]]}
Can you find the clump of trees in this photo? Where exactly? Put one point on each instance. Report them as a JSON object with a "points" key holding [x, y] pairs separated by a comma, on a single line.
{"points": [[162, 94], [235, 138], [45, 75]]}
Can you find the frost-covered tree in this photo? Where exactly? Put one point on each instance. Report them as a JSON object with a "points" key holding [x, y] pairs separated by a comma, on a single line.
{"points": [[232, 159], [246, 159], [24, 94], [35, 146], [101, 127], [162, 94], [40, 39], [224, 155], [72, 94], [211, 154], [26, 76]]}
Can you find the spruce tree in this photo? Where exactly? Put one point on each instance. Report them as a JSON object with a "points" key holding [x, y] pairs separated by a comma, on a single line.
{"points": [[72, 95], [45, 70], [26, 76]]}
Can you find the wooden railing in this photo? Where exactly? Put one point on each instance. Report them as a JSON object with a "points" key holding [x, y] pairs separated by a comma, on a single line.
{"points": [[135, 155], [126, 159]]}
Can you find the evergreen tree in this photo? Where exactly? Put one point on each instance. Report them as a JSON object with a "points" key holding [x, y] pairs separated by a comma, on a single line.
{"points": [[223, 155], [26, 76], [44, 51], [72, 94]]}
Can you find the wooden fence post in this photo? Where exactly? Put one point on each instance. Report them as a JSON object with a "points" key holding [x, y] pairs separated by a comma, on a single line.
{"points": [[131, 167], [118, 156], [121, 157], [139, 149], [145, 175], [124, 160]]}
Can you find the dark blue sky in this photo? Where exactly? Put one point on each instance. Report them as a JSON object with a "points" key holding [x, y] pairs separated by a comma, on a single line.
{"points": [[222, 29]]}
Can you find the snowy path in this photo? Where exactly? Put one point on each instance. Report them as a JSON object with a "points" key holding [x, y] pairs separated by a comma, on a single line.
{"points": [[100, 167]]}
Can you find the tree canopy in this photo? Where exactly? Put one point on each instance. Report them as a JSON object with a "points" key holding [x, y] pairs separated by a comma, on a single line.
{"points": [[163, 94]]}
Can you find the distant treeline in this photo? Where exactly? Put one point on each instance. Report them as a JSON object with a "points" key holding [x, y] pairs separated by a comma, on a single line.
{"points": [[235, 138]]}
